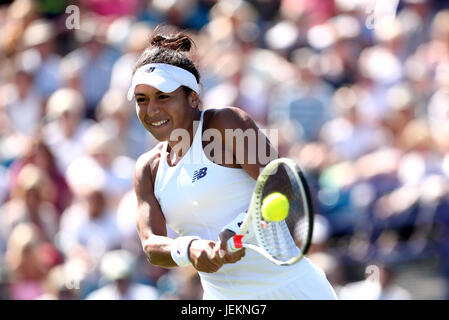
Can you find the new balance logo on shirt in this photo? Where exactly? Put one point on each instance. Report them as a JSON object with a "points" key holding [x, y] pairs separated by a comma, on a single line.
{"points": [[198, 174]]}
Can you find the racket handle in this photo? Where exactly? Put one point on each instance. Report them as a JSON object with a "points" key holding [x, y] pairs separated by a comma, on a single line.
{"points": [[235, 243]]}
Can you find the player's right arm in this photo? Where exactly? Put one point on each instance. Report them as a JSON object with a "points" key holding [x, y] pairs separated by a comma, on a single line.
{"points": [[151, 224]]}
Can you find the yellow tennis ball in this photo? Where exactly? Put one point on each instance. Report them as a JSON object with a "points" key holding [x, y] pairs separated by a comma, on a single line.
{"points": [[275, 207]]}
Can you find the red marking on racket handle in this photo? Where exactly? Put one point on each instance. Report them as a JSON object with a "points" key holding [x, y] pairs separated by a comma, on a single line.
{"points": [[238, 241], [235, 243]]}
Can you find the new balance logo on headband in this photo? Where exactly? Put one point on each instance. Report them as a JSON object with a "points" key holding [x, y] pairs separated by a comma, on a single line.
{"points": [[150, 69], [198, 174]]}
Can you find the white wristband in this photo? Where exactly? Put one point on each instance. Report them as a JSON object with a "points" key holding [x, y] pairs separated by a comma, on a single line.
{"points": [[235, 224], [180, 250]]}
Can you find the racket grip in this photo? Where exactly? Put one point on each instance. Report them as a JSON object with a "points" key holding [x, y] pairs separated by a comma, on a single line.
{"points": [[235, 243]]}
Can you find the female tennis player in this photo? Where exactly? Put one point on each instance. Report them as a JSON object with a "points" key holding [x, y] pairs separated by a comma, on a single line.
{"points": [[201, 195]]}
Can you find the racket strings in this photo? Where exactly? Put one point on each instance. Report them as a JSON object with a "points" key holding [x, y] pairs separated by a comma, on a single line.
{"points": [[281, 244], [284, 238]]}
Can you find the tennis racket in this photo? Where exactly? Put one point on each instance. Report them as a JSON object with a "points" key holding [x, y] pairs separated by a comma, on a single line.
{"points": [[282, 242]]}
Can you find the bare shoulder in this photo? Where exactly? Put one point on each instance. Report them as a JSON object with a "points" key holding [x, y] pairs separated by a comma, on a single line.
{"points": [[249, 146], [229, 118], [148, 163]]}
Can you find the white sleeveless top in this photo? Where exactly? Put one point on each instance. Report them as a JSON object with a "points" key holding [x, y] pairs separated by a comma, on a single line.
{"points": [[199, 197]]}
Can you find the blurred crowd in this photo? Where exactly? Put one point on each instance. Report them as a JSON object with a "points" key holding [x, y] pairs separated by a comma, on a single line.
{"points": [[361, 101]]}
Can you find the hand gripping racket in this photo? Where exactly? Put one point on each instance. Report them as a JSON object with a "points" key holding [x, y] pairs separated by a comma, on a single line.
{"points": [[283, 242]]}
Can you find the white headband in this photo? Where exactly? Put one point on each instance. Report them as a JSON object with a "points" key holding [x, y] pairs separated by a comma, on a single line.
{"points": [[164, 77]]}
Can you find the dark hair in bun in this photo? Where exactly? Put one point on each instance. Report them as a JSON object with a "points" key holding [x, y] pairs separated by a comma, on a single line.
{"points": [[180, 42], [170, 46]]}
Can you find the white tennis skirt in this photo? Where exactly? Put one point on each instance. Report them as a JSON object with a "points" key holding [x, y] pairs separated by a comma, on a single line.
{"points": [[312, 285]]}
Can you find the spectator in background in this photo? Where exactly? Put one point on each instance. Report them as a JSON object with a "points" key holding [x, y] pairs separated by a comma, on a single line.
{"points": [[39, 41], [17, 17], [101, 147], [70, 69], [305, 100], [338, 60], [96, 59], [66, 128], [438, 106], [126, 222], [117, 268], [57, 285], [22, 104], [88, 227], [439, 39], [403, 109], [39, 154], [28, 204], [416, 17], [347, 133], [116, 115], [121, 74], [181, 284], [380, 285], [178, 12], [26, 270]]}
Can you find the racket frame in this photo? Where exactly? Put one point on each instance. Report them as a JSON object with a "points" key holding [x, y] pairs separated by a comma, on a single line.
{"points": [[254, 214]]}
